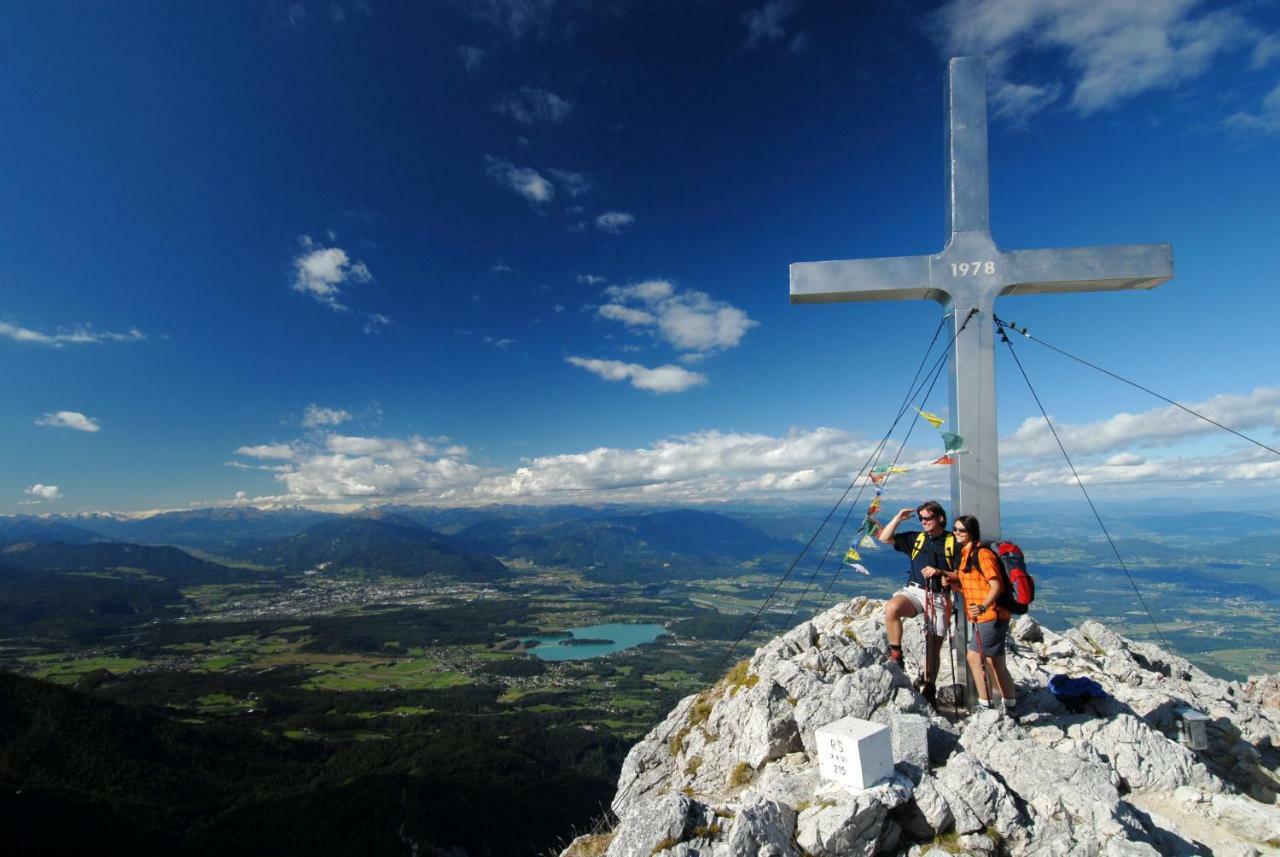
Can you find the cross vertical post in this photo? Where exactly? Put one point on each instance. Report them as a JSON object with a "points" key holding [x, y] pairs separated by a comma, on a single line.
{"points": [[966, 278]]}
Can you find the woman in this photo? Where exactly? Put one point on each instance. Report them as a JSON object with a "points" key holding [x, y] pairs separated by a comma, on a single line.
{"points": [[980, 580]]}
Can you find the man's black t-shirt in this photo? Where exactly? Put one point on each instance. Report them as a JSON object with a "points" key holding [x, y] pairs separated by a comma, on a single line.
{"points": [[934, 553]]}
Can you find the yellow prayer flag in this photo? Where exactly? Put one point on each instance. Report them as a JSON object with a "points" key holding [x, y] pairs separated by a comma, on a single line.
{"points": [[933, 419]]}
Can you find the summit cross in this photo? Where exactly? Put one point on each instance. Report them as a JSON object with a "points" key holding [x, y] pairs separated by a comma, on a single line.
{"points": [[966, 278]]}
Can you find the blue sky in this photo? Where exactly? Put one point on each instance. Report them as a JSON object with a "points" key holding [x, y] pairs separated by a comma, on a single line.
{"points": [[336, 253]]}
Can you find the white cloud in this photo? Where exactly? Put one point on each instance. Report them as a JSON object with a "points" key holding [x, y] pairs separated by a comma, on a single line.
{"points": [[375, 321], [525, 181], [702, 466], [714, 465], [1115, 50], [627, 315], [1159, 426], [44, 492], [348, 466], [69, 420], [76, 336], [589, 279], [315, 416], [499, 342], [649, 291], [1018, 102], [574, 184], [767, 22], [321, 272], [1265, 51], [520, 18], [613, 221], [660, 379], [1266, 120], [1249, 465], [689, 321], [531, 105], [267, 450], [472, 57]]}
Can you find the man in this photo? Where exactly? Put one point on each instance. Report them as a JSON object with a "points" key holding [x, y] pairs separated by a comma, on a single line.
{"points": [[932, 551]]}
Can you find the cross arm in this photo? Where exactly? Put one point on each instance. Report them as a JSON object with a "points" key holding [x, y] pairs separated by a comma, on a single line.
{"points": [[897, 278], [1088, 269]]}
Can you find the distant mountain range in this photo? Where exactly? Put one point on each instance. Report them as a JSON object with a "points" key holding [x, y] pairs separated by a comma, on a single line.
{"points": [[384, 545], [611, 542], [212, 530], [164, 562]]}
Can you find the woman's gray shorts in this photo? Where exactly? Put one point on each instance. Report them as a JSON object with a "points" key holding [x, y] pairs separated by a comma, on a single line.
{"points": [[992, 635]]}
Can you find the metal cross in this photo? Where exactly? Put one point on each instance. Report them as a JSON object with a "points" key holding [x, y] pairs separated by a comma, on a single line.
{"points": [[969, 274], [966, 278]]}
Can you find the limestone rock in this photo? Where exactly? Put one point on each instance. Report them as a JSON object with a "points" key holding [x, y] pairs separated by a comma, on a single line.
{"points": [[850, 823], [654, 824], [762, 829], [733, 770]]}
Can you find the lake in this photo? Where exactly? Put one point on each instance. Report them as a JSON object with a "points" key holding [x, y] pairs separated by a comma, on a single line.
{"points": [[624, 636]]}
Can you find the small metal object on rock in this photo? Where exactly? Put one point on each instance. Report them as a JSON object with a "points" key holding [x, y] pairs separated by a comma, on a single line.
{"points": [[1193, 728]]}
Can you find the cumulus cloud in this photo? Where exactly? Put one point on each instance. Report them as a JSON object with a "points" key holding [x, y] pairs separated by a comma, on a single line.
{"points": [[267, 450], [315, 416], [1158, 426], [321, 273], [81, 335], [1265, 51], [525, 181], [767, 24], [709, 466], [702, 466], [530, 105], [689, 321], [473, 58], [69, 420], [1242, 466], [574, 184], [589, 279], [519, 19], [613, 221], [660, 379], [1266, 120], [44, 492], [1114, 51], [344, 466]]}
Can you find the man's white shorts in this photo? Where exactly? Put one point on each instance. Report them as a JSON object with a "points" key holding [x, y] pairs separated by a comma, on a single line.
{"points": [[916, 596]]}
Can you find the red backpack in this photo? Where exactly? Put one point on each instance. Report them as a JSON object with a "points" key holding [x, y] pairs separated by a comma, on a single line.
{"points": [[1020, 587]]}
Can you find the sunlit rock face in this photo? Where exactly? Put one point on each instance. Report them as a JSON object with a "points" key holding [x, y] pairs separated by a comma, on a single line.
{"points": [[733, 771]]}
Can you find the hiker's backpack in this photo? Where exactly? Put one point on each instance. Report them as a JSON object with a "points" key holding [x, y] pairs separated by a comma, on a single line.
{"points": [[1020, 587]]}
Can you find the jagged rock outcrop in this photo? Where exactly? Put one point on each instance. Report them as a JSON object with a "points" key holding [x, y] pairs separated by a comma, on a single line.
{"points": [[733, 770]]}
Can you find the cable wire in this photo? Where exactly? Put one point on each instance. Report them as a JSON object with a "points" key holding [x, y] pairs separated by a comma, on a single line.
{"points": [[1004, 337], [1135, 384]]}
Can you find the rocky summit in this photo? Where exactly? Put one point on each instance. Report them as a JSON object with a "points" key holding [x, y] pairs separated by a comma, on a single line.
{"points": [[733, 771]]}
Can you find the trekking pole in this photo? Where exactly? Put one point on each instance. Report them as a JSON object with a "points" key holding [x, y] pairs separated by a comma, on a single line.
{"points": [[951, 642]]}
